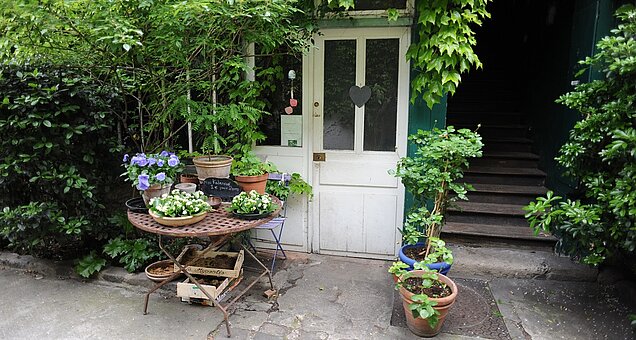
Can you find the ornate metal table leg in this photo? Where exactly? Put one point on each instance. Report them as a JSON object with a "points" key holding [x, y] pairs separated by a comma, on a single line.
{"points": [[193, 280]]}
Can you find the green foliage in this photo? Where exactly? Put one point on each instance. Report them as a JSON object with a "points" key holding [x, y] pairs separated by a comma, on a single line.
{"points": [[296, 185], [133, 254], [600, 222], [56, 164], [251, 165], [445, 47], [170, 59], [251, 203], [438, 252], [89, 265], [432, 174]]}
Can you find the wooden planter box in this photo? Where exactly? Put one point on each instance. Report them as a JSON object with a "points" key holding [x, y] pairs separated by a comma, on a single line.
{"points": [[231, 273], [190, 293]]}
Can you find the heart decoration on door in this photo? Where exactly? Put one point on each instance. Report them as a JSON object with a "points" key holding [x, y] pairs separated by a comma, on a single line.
{"points": [[360, 95]]}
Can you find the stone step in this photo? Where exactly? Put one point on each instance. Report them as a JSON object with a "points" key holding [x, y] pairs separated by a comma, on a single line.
{"points": [[493, 170], [490, 131], [498, 231], [462, 116], [488, 208], [510, 189], [500, 198], [504, 179], [508, 145]]}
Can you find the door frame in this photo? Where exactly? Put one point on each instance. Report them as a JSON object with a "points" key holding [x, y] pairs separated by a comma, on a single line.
{"points": [[312, 88]]}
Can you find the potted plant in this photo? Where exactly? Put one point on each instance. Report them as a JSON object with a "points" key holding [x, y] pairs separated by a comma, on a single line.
{"points": [[251, 205], [426, 296], [179, 208], [439, 257], [229, 129], [285, 187], [251, 174], [152, 174], [431, 175]]}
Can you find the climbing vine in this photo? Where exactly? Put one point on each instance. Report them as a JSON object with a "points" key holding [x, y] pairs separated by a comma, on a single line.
{"points": [[444, 49]]}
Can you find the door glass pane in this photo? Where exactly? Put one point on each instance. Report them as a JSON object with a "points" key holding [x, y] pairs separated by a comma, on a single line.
{"points": [[339, 110], [380, 112]]}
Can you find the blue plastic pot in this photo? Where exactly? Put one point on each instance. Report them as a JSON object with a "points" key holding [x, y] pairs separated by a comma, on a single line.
{"points": [[441, 267]]}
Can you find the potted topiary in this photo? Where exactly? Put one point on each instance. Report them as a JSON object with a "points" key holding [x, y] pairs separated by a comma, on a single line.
{"points": [[152, 174], [431, 176], [251, 173], [426, 296]]}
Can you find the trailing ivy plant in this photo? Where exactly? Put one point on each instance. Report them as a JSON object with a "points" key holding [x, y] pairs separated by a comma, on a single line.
{"points": [[599, 221]]}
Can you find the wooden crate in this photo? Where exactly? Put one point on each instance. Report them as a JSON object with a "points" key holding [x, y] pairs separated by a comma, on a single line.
{"points": [[186, 289], [231, 273], [205, 301]]}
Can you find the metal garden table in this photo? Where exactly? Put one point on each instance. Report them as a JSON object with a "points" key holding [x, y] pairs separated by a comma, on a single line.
{"points": [[218, 223]]}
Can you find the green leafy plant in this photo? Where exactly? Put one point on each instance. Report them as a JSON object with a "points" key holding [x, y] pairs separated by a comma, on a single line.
{"points": [[133, 254], [296, 185], [444, 49], [251, 165], [89, 265], [251, 203], [56, 172], [598, 221], [179, 203], [431, 175]]}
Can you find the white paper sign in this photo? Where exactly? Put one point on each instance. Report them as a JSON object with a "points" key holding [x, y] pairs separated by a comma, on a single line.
{"points": [[291, 130]]}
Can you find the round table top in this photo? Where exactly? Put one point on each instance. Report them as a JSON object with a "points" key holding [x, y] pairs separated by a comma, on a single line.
{"points": [[217, 222]]}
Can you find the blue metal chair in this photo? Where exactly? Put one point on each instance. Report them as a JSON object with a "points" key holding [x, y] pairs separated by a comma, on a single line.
{"points": [[277, 222]]}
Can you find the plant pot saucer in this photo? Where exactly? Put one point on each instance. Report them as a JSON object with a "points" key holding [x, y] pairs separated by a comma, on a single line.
{"points": [[137, 205], [251, 216]]}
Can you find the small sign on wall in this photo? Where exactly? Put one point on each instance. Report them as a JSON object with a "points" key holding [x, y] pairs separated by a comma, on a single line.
{"points": [[291, 130]]}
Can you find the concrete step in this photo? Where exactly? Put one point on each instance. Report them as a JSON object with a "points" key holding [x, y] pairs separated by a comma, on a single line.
{"points": [[507, 159], [465, 116], [487, 208], [493, 170], [504, 179], [510, 189], [499, 231], [508, 145], [490, 131], [501, 198]]}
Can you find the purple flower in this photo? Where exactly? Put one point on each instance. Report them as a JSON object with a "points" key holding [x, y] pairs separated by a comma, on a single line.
{"points": [[126, 158], [164, 153], [143, 182], [139, 160], [173, 161], [151, 161], [160, 162], [160, 176]]}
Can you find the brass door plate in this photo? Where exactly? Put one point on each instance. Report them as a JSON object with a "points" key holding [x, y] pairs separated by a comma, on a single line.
{"points": [[319, 157]]}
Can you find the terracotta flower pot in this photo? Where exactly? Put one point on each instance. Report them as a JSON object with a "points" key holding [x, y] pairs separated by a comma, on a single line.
{"points": [[420, 326], [212, 166], [189, 178], [155, 190], [249, 183]]}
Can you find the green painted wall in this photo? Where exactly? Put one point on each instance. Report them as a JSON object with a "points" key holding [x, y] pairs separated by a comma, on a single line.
{"points": [[571, 37]]}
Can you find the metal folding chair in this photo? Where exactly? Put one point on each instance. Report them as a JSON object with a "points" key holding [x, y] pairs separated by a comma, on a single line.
{"points": [[278, 222]]}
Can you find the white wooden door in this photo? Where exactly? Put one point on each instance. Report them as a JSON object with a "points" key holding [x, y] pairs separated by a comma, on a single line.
{"points": [[358, 205]]}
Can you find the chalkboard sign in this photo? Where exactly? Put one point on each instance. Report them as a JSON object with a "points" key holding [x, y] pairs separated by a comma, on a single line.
{"points": [[224, 188]]}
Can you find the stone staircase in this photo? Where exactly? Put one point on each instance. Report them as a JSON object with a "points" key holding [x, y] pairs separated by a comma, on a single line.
{"points": [[506, 178]]}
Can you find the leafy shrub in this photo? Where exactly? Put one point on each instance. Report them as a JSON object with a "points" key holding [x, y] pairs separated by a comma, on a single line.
{"points": [[55, 154], [133, 254], [601, 155]]}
